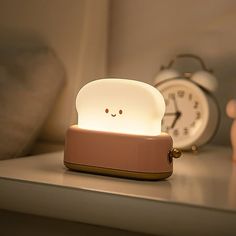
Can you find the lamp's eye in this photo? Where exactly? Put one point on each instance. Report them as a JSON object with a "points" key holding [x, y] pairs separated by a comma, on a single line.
{"points": [[106, 110], [120, 112]]}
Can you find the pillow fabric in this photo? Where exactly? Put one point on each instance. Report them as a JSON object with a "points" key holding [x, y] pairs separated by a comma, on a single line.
{"points": [[30, 81]]}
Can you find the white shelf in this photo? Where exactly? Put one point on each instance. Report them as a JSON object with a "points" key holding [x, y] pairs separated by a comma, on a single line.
{"points": [[199, 197]]}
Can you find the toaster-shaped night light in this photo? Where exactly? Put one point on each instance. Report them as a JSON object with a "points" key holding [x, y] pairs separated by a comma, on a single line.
{"points": [[119, 131]]}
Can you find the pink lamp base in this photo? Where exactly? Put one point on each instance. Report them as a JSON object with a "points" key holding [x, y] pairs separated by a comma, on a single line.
{"points": [[122, 155]]}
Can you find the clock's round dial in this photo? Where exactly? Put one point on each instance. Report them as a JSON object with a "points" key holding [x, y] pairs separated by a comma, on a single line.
{"points": [[186, 113]]}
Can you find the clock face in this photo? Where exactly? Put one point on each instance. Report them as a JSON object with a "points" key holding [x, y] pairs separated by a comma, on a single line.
{"points": [[186, 112]]}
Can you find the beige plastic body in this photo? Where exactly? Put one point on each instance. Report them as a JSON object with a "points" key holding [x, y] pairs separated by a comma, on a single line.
{"points": [[123, 155], [231, 112]]}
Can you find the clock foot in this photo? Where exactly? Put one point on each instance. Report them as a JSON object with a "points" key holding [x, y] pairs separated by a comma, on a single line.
{"points": [[194, 149]]}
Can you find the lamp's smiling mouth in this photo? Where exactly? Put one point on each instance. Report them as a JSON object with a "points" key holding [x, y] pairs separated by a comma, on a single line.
{"points": [[114, 115]]}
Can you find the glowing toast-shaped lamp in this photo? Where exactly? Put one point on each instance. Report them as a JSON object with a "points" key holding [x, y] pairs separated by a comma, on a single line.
{"points": [[119, 131]]}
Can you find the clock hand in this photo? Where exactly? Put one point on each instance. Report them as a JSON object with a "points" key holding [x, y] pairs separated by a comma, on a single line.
{"points": [[174, 122], [175, 104], [178, 115]]}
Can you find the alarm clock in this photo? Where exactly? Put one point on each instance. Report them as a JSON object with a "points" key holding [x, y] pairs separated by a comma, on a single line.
{"points": [[192, 113]]}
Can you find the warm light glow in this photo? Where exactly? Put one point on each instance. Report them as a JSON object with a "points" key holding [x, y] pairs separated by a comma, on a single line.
{"points": [[121, 106]]}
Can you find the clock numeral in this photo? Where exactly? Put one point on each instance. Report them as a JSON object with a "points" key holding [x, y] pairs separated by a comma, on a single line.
{"points": [[190, 97], [195, 106], [180, 93], [185, 131], [198, 115], [176, 132]]}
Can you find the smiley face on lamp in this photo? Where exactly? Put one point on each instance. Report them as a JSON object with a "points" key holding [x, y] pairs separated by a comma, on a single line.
{"points": [[119, 131]]}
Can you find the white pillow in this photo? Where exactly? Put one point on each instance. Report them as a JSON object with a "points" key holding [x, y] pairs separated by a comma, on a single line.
{"points": [[30, 82]]}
